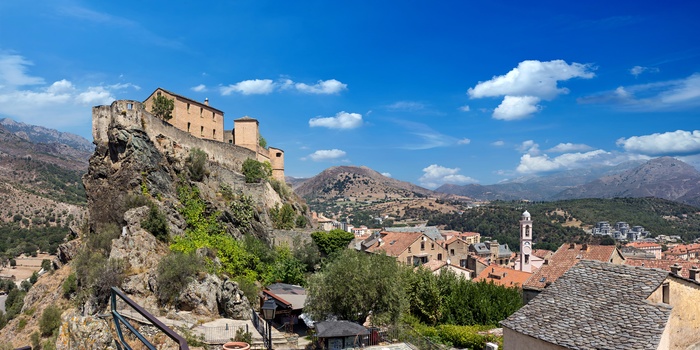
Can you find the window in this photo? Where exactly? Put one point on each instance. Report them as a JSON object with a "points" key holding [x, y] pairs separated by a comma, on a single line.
{"points": [[129, 106], [158, 94], [213, 116], [409, 249], [278, 154], [452, 252], [188, 108], [665, 292], [432, 246], [188, 126], [408, 260], [422, 245], [201, 110], [527, 231], [201, 131], [213, 134], [439, 256], [527, 258]]}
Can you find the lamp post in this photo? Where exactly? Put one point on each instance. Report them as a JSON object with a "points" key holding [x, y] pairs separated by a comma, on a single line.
{"points": [[268, 310]]}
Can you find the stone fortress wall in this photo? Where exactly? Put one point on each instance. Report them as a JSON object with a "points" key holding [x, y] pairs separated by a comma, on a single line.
{"points": [[193, 125], [132, 115]]}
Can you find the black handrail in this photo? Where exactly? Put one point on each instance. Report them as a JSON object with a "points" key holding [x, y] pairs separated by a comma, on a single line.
{"points": [[118, 320]]}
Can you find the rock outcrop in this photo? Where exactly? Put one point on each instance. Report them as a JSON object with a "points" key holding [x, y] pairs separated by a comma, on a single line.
{"points": [[84, 332]]}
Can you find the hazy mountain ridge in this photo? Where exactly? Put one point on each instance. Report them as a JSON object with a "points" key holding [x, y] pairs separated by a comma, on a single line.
{"points": [[358, 183], [40, 134], [664, 177]]}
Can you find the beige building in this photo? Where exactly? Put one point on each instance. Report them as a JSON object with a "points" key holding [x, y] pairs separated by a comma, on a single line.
{"points": [[205, 122], [600, 305], [412, 248], [197, 118]]}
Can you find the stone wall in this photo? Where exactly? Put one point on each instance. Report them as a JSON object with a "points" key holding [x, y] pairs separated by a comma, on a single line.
{"points": [[132, 115], [196, 118]]}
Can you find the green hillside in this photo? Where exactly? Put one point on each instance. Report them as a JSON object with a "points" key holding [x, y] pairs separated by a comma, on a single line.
{"points": [[564, 221]]}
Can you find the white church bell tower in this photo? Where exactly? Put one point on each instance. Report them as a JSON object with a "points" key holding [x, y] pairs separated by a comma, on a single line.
{"points": [[525, 242]]}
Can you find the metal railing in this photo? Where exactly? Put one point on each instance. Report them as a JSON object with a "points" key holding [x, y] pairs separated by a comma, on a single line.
{"points": [[119, 320]]}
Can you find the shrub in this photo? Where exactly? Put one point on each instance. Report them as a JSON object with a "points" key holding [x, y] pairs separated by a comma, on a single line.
{"points": [[34, 277], [243, 210], [156, 223], [244, 336], [46, 265], [283, 218], [101, 239], [332, 241], [255, 171], [36, 340], [70, 286], [281, 188], [197, 164], [175, 271], [301, 221], [50, 321]]}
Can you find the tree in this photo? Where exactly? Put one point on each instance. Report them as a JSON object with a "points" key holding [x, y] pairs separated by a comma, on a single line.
{"points": [[163, 107], [355, 285], [255, 171], [197, 164], [332, 241], [283, 218], [50, 320], [262, 142]]}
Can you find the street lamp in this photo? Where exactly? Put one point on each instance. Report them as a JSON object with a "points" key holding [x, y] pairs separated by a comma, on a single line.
{"points": [[268, 310]]}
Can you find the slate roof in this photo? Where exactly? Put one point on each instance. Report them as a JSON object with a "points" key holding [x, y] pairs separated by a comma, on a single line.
{"points": [[597, 305], [564, 258], [332, 329], [394, 243], [503, 276]]}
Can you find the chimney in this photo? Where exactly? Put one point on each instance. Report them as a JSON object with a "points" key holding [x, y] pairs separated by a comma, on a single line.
{"points": [[206, 101], [694, 273], [585, 247], [572, 246], [676, 269]]}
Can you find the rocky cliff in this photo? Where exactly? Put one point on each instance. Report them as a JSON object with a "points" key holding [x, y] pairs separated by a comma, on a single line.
{"points": [[139, 167]]}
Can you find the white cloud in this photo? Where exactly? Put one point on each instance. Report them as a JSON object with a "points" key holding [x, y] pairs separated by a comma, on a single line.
{"points": [[342, 120], [570, 147], [498, 143], [326, 154], [665, 95], [679, 142], [464, 108], [250, 87], [96, 95], [425, 136], [13, 72], [529, 147], [532, 78], [386, 174], [436, 175], [409, 106], [267, 86], [527, 84], [199, 88], [323, 87], [516, 107], [464, 141], [59, 105], [637, 70], [531, 164]]}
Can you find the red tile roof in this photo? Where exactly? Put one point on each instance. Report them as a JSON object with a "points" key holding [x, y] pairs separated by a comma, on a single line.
{"points": [[394, 243], [663, 265], [566, 257], [642, 245], [503, 276]]}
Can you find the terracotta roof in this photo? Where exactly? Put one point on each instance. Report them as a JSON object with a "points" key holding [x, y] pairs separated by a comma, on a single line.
{"points": [[663, 265], [682, 249], [597, 305], [394, 243], [451, 240], [542, 253], [503, 276], [564, 258], [434, 265], [642, 245], [470, 234]]}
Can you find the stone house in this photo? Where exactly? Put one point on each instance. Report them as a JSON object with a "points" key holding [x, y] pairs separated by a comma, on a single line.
{"points": [[457, 251], [201, 120], [601, 305], [411, 248], [439, 266], [495, 253], [568, 255]]}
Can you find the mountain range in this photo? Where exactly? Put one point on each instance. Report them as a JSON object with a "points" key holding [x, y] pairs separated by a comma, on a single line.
{"points": [[663, 177]]}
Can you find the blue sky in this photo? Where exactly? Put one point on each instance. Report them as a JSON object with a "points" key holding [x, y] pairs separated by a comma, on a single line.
{"points": [[429, 92]]}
